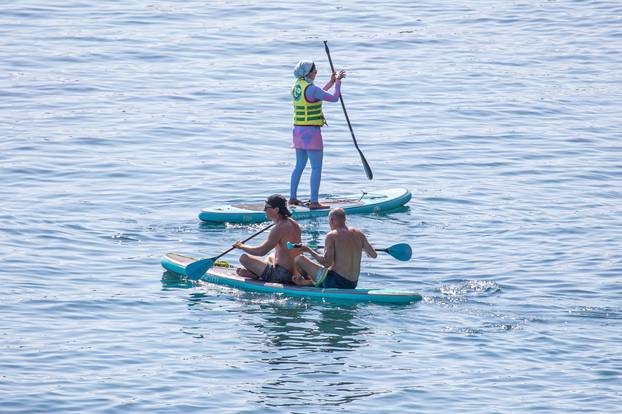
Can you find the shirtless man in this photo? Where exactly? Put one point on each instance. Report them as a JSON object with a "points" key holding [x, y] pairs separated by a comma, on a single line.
{"points": [[279, 267], [340, 265]]}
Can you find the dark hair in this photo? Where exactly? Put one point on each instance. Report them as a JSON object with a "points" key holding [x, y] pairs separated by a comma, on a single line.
{"points": [[280, 202]]}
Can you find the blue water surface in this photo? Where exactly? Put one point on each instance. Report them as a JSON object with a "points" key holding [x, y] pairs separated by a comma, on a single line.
{"points": [[120, 120]]}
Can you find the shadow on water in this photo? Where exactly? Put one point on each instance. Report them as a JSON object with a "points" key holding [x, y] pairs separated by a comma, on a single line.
{"points": [[172, 280], [295, 342], [310, 325], [307, 342], [289, 322], [209, 225]]}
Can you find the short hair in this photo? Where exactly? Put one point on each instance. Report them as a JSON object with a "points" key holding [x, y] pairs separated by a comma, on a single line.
{"points": [[338, 214]]}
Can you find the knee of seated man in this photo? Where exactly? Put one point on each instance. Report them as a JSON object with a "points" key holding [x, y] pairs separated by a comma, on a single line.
{"points": [[299, 260]]}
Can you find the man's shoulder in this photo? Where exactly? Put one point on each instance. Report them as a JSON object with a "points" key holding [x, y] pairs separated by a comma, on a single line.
{"points": [[356, 232]]}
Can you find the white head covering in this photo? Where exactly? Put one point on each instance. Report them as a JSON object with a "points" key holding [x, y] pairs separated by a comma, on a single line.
{"points": [[302, 70]]}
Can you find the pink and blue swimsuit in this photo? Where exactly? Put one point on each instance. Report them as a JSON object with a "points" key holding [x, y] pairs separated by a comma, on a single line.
{"points": [[307, 140]]}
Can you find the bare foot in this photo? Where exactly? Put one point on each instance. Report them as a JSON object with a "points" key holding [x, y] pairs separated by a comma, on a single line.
{"points": [[243, 272], [301, 281], [317, 206]]}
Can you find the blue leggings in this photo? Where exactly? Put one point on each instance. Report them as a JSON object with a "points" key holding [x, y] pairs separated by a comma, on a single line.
{"points": [[316, 172]]}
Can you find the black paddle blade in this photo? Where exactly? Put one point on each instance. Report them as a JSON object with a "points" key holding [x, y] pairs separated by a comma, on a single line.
{"points": [[366, 166]]}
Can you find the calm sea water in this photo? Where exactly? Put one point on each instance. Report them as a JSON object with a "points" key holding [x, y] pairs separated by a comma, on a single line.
{"points": [[120, 120]]}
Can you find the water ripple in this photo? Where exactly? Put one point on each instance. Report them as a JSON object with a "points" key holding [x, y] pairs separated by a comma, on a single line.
{"points": [[122, 120]]}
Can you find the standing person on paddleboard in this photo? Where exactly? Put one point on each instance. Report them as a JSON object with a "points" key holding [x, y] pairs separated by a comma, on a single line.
{"points": [[279, 267], [308, 120], [340, 265]]}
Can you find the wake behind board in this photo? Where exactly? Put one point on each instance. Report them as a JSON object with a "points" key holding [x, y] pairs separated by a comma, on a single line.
{"points": [[363, 203], [226, 276]]}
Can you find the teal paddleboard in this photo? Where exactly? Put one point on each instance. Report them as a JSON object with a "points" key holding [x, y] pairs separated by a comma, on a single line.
{"points": [[226, 276], [362, 203]]}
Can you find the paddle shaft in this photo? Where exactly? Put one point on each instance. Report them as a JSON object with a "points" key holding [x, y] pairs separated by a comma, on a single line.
{"points": [[298, 245], [243, 241], [366, 166]]}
